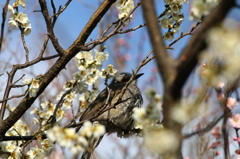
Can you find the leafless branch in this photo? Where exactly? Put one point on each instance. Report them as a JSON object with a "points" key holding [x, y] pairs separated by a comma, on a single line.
{"points": [[49, 26], [4, 14], [183, 35], [18, 80], [164, 61], [102, 39], [14, 96], [24, 45], [61, 10], [205, 129]]}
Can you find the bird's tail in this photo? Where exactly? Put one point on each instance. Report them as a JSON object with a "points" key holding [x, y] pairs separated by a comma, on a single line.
{"points": [[93, 143]]}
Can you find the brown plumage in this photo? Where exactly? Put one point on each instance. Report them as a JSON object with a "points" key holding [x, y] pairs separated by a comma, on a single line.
{"points": [[118, 119]]}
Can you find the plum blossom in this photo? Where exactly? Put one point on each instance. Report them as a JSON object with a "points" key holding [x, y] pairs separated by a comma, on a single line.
{"points": [[100, 57], [231, 103], [234, 121], [124, 8]]}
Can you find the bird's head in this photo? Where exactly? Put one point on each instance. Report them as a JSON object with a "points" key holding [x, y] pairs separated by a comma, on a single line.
{"points": [[125, 77]]}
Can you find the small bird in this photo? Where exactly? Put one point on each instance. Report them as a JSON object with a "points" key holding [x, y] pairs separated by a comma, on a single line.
{"points": [[118, 117]]}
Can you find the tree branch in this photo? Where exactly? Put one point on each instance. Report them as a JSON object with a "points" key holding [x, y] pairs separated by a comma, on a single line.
{"points": [[164, 61], [4, 14], [188, 58], [50, 25], [92, 23]]}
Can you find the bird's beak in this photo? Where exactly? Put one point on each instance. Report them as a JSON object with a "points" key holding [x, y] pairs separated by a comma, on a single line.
{"points": [[138, 75]]}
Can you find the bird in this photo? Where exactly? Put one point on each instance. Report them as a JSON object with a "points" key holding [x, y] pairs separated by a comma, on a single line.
{"points": [[118, 117]]}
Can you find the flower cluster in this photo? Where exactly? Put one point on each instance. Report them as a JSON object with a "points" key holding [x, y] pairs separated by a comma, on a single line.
{"points": [[46, 111], [201, 8], [68, 99], [68, 138], [89, 74], [13, 151], [215, 143], [149, 116], [124, 8], [148, 119], [19, 128], [87, 98], [13, 148], [110, 72], [88, 67], [40, 152], [221, 60], [90, 130], [19, 19], [172, 17], [34, 86]]}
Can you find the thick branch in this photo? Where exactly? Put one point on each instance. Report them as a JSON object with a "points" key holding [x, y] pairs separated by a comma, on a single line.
{"points": [[189, 56], [164, 61], [92, 23]]}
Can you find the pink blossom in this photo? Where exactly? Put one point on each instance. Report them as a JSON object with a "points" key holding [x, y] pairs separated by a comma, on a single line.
{"points": [[69, 114], [231, 103], [220, 96], [121, 41], [235, 121], [235, 138], [127, 57], [217, 153], [220, 84]]}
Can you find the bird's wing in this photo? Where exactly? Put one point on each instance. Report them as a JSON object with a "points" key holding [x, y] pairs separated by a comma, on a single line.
{"points": [[102, 101]]}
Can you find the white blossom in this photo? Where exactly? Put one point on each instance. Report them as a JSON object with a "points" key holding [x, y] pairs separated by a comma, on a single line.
{"points": [[13, 24], [86, 129], [27, 28], [100, 57], [32, 92], [11, 10], [22, 3], [98, 131], [169, 35], [201, 8], [161, 140], [27, 81], [124, 8], [22, 18], [139, 114], [166, 22]]}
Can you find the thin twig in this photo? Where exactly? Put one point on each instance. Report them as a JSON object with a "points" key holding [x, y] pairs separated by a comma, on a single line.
{"points": [[24, 45], [183, 35], [114, 32], [14, 96], [61, 10], [18, 80], [205, 129], [52, 119]]}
